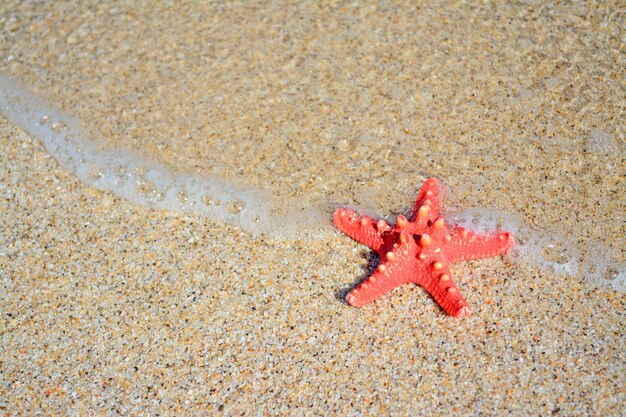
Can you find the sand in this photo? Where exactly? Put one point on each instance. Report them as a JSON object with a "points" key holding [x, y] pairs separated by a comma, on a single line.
{"points": [[107, 308]]}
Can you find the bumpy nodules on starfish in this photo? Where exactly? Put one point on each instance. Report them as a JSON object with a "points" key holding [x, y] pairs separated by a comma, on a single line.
{"points": [[419, 249]]}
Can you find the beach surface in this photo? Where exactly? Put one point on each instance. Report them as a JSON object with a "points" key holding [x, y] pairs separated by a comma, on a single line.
{"points": [[110, 308]]}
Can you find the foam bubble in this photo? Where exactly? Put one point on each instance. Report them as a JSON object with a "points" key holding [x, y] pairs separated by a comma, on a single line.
{"points": [[619, 283], [558, 254], [149, 183], [600, 267]]}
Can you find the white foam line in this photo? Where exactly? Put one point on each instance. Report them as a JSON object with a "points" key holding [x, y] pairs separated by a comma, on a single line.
{"points": [[550, 251], [146, 182], [151, 184]]}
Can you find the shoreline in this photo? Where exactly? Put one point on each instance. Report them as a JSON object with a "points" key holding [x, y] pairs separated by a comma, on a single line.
{"points": [[111, 308]]}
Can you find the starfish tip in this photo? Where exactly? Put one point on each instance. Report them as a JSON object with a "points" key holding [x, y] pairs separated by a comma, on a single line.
{"points": [[338, 214], [462, 312], [350, 298], [354, 300]]}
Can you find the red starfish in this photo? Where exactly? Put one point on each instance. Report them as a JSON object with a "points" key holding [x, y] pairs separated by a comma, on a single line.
{"points": [[419, 249]]}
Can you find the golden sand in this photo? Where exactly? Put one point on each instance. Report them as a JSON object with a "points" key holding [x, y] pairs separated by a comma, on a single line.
{"points": [[109, 308]]}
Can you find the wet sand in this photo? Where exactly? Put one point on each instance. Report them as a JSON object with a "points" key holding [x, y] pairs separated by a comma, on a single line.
{"points": [[111, 308]]}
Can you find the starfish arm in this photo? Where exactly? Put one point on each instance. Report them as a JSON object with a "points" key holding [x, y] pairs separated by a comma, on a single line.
{"points": [[428, 196], [465, 245], [361, 227], [384, 279], [440, 285]]}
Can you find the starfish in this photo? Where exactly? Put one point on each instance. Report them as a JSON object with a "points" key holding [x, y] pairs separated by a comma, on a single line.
{"points": [[419, 249]]}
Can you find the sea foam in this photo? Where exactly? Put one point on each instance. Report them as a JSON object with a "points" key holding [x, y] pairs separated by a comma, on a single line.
{"points": [[549, 250], [146, 182]]}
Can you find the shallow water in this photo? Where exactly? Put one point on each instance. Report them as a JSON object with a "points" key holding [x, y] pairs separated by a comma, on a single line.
{"points": [[516, 107], [156, 185]]}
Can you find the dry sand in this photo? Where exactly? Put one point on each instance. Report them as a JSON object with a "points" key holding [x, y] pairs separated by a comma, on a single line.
{"points": [[109, 308]]}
